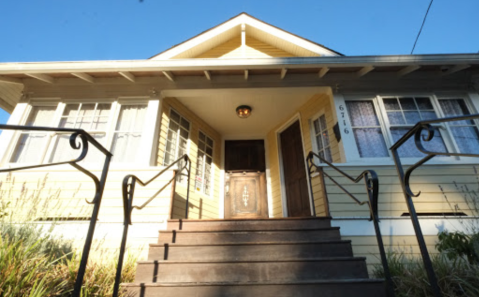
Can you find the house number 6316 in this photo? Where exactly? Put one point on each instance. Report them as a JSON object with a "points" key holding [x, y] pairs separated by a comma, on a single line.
{"points": [[341, 108]]}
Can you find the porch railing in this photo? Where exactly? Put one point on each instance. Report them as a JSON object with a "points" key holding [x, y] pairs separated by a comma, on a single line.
{"points": [[404, 176], [128, 190], [79, 140], [371, 183]]}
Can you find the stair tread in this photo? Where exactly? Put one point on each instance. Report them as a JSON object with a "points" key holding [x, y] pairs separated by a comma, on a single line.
{"points": [[248, 231], [322, 259], [243, 220], [325, 241], [297, 282]]}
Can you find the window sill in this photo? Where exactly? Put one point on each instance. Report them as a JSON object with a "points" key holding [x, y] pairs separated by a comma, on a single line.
{"points": [[408, 162]]}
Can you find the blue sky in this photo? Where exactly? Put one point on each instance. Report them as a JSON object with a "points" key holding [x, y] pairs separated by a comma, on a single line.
{"points": [[62, 30]]}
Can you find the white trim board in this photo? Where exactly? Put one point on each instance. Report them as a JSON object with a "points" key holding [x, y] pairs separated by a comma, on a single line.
{"points": [[401, 226]]}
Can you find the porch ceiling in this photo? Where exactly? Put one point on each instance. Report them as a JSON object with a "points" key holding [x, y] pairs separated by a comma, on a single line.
{"points": [[270, 108]]}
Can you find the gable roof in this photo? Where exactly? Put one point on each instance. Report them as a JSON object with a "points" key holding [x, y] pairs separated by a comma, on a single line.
{"points": [[255, 28]]}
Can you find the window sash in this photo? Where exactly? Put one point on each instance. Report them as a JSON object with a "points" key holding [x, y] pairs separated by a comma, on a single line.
{"points": [[204, 164], [321, 137]]}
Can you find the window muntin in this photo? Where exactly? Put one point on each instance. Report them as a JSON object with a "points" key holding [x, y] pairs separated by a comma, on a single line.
{"points": [[204, 164], [98, 119], [464, 133], [366, 129], [322, 138], [402, 114], [91, 117], [177, 138]]}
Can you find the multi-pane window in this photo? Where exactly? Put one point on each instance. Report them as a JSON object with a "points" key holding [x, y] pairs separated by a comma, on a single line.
{"points": [[91, 117], [118, 127], [177, 138], [380, 122], [322, 138], [366, 129], [465, 133], [204, 164], [403, 113]]}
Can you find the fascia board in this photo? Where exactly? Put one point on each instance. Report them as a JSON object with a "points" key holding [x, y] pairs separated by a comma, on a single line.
{"points": [[288, 37], [239, 64], [195, 41]]}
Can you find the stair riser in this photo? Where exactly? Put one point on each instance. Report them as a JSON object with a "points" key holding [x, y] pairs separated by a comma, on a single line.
{"points": [[308, 290], [249, 252], [249, 272], [247, 225], [247, 237]]}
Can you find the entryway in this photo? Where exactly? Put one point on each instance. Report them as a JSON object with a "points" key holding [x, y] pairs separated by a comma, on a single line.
{"points": [[294, 172]]}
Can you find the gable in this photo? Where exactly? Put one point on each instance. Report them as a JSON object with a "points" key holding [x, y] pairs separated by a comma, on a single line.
{"points": [[247, 36], [233, 48]]}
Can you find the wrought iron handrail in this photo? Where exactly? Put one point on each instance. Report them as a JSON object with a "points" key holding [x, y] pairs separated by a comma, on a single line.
{"points": [[84, 138], [417, 132], [128, 189], [371, 182]]}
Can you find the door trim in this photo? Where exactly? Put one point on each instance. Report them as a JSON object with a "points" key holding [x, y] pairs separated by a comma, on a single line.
{"points": [[286, 125], [269, 191]]}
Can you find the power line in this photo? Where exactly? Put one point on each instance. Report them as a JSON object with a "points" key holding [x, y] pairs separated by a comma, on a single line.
{"points": [[420, 30]]}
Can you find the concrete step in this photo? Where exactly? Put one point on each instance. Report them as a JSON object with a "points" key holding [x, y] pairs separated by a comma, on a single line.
{"points": [[328, 288], [214, 237], [249, 224], [266, 251], [251, 271]]}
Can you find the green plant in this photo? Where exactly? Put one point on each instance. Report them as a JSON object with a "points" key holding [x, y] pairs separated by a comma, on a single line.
{"points": [[455, 277], [458, 245], [32, 264]]}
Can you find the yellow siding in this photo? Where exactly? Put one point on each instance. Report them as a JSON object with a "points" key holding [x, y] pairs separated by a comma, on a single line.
{"points": [[62, 193], [200, 206], [366, 246], [253, 49], [444, 188], [318, 104]]}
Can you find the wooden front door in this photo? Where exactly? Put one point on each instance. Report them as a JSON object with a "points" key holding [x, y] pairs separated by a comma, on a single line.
{"points": [[294, 172], [245, 181]]}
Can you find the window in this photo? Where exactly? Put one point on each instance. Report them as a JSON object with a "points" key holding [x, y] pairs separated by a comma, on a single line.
{"points": [[204, 164], [177, 142], [31, 146], [366, 129], [379, 122], [98, 119], [177, 138], [322, 138]]}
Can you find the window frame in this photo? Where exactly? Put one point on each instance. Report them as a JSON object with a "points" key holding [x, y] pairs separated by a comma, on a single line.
{"points": [[350, 145], [188, 140], [210, 194], [313, 134], [115, 108]]}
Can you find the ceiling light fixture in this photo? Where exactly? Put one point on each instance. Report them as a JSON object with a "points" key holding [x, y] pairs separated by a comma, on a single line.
{"points": [[243, 111]]}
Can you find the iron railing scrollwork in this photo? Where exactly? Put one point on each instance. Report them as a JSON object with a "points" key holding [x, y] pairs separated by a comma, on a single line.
{"points": [[79, 139], [371, 183], [405, 176], [128, 190]]}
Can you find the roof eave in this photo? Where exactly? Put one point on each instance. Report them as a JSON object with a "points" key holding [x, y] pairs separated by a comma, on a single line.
{"points": [[257, 63]]}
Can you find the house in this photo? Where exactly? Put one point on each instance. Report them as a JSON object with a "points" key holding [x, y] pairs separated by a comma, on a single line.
{"points": [[300, 96]]}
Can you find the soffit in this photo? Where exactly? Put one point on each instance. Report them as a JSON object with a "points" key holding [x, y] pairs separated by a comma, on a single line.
{"points": [[270, 108]]}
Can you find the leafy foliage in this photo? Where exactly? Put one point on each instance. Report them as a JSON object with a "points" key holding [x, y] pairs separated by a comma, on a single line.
{"points": [[459, 245], [455, 277], [32, 264]]}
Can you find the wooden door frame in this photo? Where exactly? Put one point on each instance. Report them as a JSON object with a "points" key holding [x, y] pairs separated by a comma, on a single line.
{"points": [[286, 125], [269, 191]]}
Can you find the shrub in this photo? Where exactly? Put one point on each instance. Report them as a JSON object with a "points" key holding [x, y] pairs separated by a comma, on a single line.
{"points": [[455, 277], [32, 264]]}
